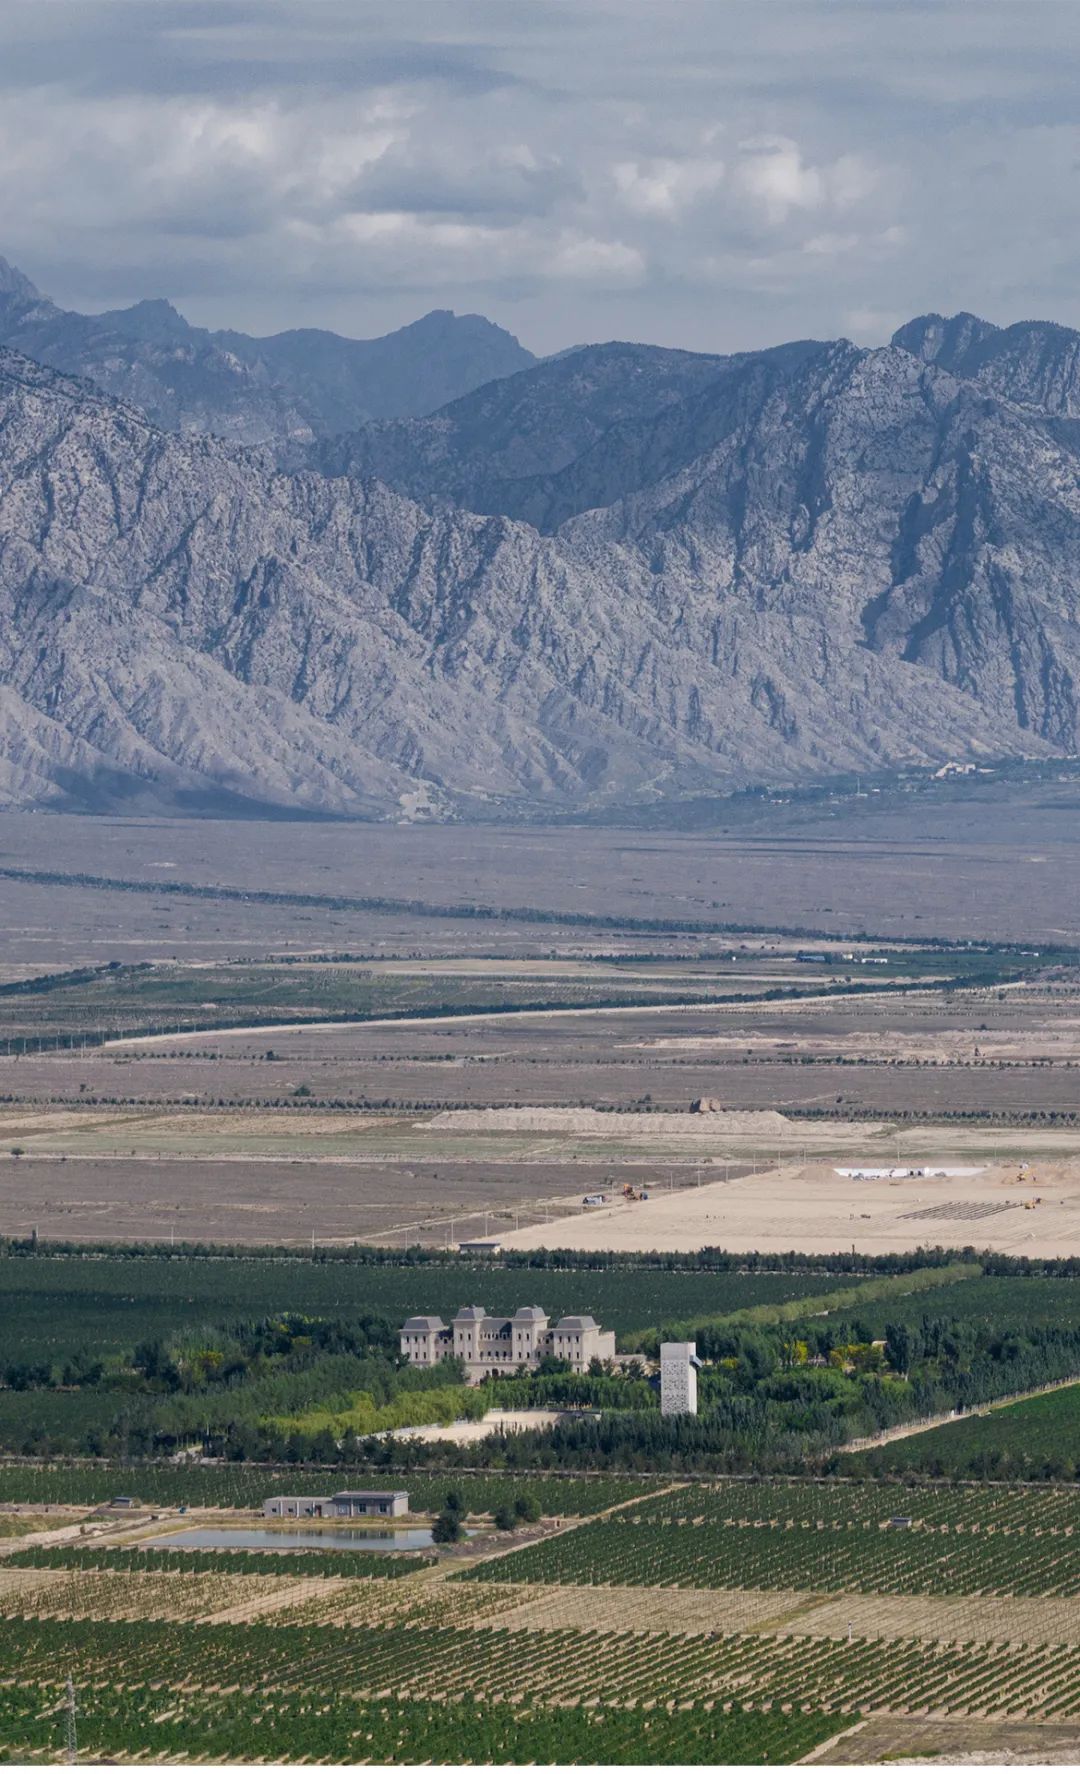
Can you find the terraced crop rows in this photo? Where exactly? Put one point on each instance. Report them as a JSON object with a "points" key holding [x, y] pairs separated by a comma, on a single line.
{"points": [[240, 1487], [110, 1595], [931, 1561], [325, 1728], [779, 1502], [613, 1669], [227, 1563]]}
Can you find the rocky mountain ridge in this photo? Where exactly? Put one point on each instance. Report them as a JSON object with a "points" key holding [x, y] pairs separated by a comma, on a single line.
{"points": [[807, 561], [294, 385]]}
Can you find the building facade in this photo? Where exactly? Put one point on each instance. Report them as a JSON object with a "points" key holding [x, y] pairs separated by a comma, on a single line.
{"points": [[491, 1345], [678, 1379], [341, 1503]]}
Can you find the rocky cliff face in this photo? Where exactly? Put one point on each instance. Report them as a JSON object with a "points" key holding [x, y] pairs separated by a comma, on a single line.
{"points": [[800, 562], [1034, 363], [295, 385]]}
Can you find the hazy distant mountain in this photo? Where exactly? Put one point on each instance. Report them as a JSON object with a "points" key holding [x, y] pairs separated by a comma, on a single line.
{"points": [[778, 566], [296, 385], [1034, 362]]}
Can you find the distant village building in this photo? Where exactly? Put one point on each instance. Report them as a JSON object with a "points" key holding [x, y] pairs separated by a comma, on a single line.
{"points": [[491, 1345], [341, 1503], [678, 1379]]}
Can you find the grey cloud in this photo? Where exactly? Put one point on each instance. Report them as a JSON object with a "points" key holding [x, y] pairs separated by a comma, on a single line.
{"points": [[576, 168]]}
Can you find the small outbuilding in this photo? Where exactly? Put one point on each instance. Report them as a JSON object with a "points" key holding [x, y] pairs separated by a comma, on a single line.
{"points": [[382, 1503]]}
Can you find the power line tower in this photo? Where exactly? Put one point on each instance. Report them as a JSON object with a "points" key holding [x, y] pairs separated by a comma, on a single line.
{"points": [[70, 1711]]}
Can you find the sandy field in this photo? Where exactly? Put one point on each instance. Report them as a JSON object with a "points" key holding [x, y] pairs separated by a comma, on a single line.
{"points": [[961, 1619], [511, 1422], [956, 1743], [810, 1207]]}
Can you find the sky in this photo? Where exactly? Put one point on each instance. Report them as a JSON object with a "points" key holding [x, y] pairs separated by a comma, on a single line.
{"points": [[711, 174]]}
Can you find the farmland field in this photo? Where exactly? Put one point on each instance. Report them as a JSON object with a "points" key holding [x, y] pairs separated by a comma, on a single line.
{"points": [[333, 1037], [243, 1487], [857, 1560], [1037, 1438], [106, 1305]]}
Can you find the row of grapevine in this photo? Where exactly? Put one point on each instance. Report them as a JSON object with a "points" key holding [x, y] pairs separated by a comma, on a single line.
{"points": [[780, 1501], [147, 1723], [621, 1552], [298, 1564], [244, 1487], [640, 1671], [114, 1595]]}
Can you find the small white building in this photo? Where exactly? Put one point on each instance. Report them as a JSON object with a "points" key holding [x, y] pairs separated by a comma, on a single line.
{"points": [[488, 1345], [678, 1379], [341, 1503]]}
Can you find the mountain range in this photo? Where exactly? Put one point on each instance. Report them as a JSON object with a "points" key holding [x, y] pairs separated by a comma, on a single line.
{"points": [[296, 385], [596, 580]]}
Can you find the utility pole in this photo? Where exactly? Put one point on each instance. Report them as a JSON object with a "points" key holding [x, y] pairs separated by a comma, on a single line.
{"points": [[72, 1735]]}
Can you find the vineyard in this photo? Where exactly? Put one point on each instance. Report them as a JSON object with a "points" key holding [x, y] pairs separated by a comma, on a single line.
{"points": [[987, 1300], [890, 1561], [635, 1672], [1038, 1438], [737, 1621], [106, 1305], [244, 1487], [331, 1563], [325, 1728], [782, 1503]]}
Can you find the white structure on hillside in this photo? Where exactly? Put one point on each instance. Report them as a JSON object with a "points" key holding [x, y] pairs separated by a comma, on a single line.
{"points": [[678, 1379], [491, 1345]]}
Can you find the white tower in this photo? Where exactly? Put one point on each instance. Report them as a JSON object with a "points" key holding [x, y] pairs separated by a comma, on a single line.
{"points": [[678, 1379]]}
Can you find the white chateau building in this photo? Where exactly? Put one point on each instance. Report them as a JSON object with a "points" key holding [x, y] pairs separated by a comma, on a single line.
{"points": [[489, 1345], [678, 1379]]}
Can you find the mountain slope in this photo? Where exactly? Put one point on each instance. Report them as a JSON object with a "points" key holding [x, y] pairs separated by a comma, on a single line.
{"points": [[297, 384], [861, 560], [1035, 362], [571, 433]]}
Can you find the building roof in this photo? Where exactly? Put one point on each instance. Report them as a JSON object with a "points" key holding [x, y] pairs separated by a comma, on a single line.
{"points": [[365, 1496], [530, 1315], [424, 1321], [496, 1326], [470, 1314], [577, 1322]]}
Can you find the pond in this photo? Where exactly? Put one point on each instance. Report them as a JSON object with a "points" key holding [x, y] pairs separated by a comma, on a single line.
{"points": [[295, 1539]]}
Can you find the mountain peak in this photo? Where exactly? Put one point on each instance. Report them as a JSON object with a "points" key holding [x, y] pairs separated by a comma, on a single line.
{"points": [[943, 338], [16, 284], [152, 318]]}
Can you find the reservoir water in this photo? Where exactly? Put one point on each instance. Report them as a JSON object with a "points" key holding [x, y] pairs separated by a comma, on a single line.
{"points": [[295, 1539]]}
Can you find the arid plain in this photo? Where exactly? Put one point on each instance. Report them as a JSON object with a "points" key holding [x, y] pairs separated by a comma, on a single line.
{"points": [[426, 1034]]}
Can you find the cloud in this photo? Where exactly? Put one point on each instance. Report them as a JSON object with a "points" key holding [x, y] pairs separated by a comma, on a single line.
{"points": [[715, 177], [666, 187]]}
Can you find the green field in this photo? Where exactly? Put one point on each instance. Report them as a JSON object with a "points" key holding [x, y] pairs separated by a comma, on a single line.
{"points": [[865, 1503], [317, 1726], [989, 1300], [853, 1560], [1038, 1438], [289, 1678], [244, 1487], [226, 1562], [51, 1306]]}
